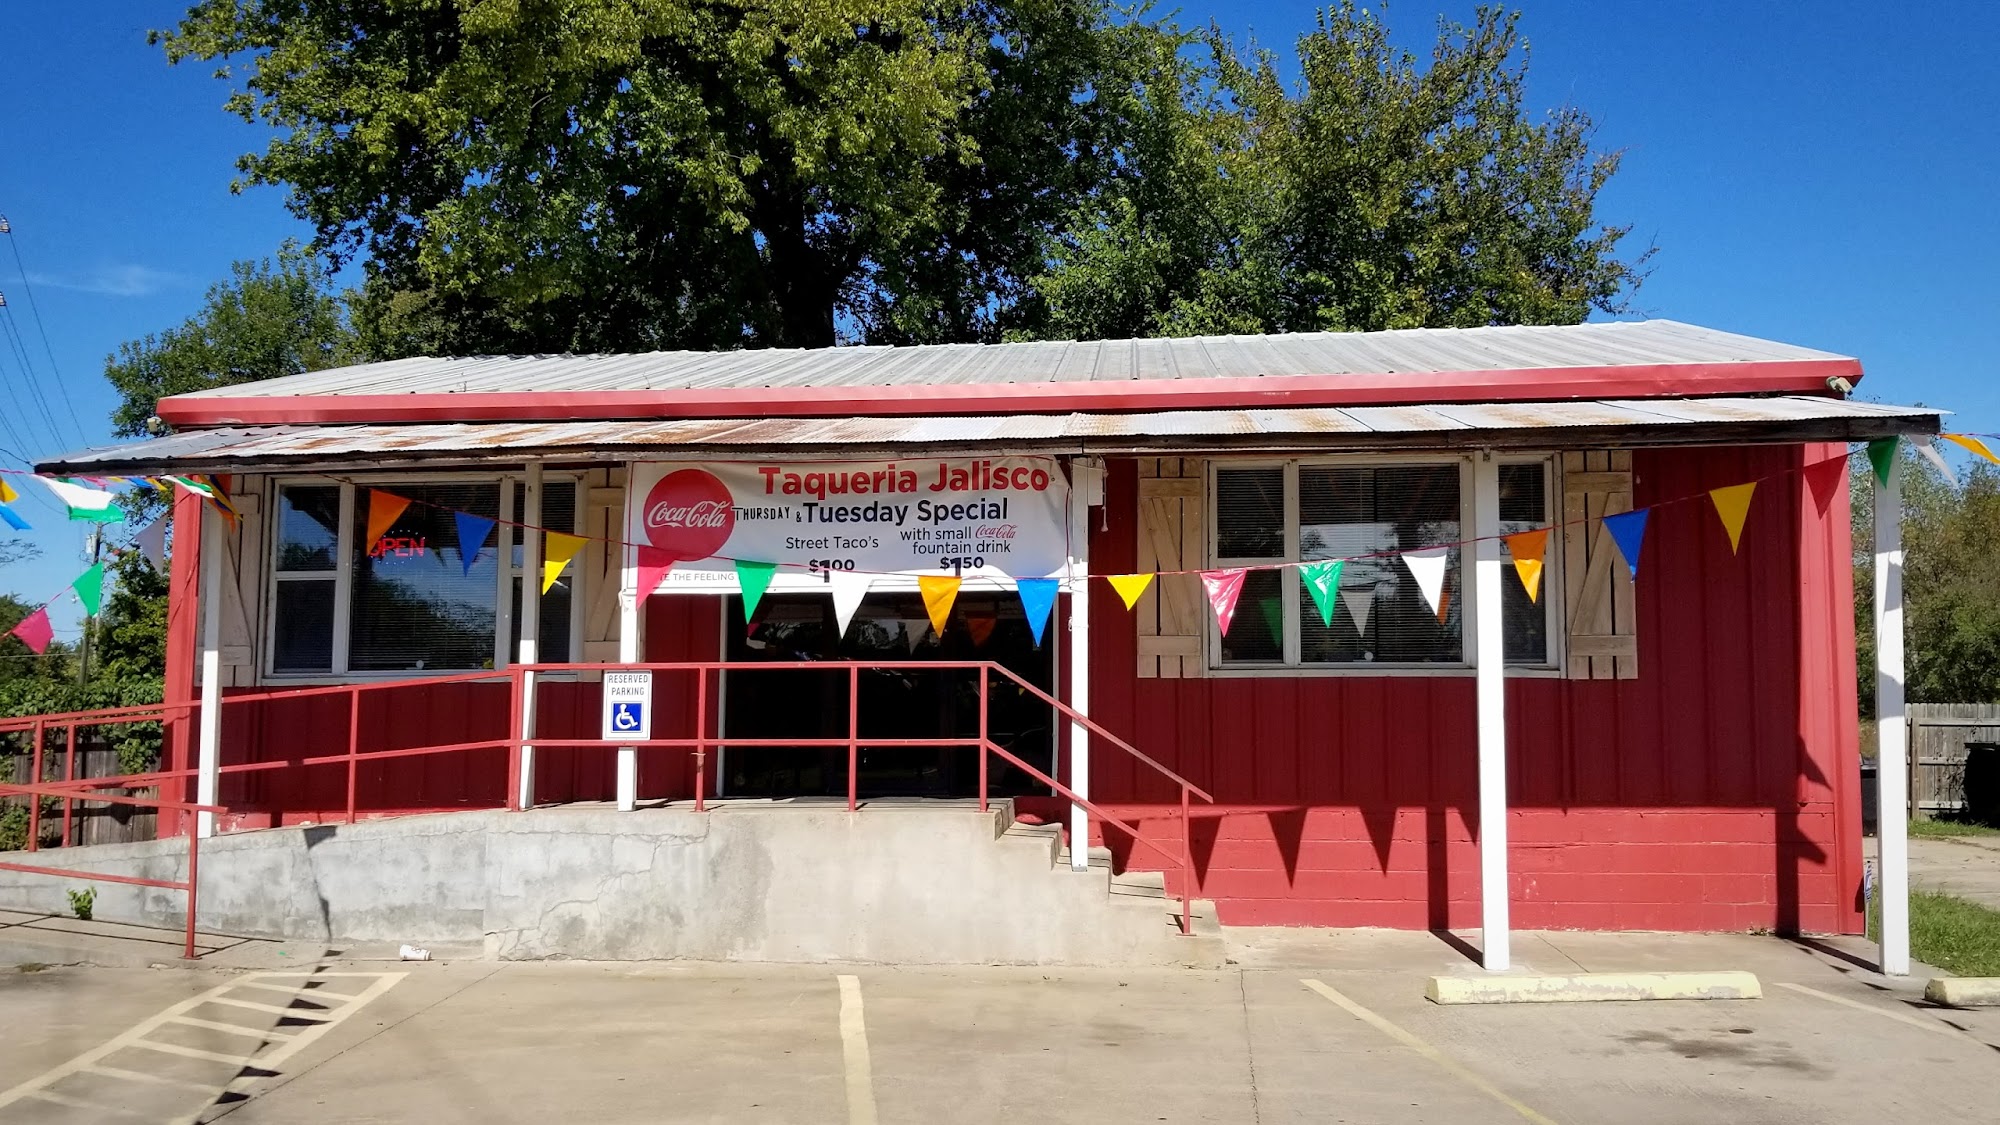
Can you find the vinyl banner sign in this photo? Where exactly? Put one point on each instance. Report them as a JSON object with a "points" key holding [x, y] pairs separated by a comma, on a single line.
{"points": [[982, 519]]}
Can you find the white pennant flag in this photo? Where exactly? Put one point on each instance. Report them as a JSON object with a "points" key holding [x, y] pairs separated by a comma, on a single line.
{"points": [[152, 543], [849, 587], [1929, 449], [914, 629], [1358, 600], [1427, 566]]}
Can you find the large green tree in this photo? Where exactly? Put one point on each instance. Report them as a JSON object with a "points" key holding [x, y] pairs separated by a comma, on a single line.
{"points": [[629, 174], [1375, 192]]}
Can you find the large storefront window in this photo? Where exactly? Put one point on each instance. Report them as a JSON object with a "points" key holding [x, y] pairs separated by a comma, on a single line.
{"points": [[408, 601], [1367, 514]]}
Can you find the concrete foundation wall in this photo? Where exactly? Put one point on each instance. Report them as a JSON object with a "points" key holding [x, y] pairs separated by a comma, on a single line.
{"points": [[910, 885]]}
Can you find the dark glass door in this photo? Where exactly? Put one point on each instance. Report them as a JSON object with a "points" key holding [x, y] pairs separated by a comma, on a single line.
{"points": [[894, 703]]}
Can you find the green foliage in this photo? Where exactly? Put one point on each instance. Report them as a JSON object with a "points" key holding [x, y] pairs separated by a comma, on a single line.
{"points": [[1378, 194], [1943, 829], [271, 318], [1951, 583], [618, 175], [82, 902], [1950, 933], [13, 828]]}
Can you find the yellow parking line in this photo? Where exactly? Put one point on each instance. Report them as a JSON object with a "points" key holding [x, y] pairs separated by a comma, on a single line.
{"points": [[854, 1051], [1451, 1065]]}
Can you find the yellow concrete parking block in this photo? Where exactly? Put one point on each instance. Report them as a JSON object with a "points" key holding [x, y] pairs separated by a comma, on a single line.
{"points": [[1594, 988]]}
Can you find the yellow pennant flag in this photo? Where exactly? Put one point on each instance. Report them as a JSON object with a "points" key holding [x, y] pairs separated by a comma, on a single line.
{"points": [[1972, 445], [1733, 505], [7, 493], [560, 549], [1528, 549], [1129, 586], [939, 591]]}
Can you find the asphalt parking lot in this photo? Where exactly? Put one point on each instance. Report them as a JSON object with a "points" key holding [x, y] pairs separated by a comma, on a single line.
{"points": [[1322, 1027]]}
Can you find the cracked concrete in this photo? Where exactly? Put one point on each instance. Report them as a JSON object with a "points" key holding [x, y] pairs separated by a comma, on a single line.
{"points": [[906, 884]]}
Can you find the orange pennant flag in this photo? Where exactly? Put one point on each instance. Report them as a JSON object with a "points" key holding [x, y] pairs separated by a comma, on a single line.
{"points": [[383, 510], [1733, 505], [561, 548], [939, 591], [1528, 549], [1129, 586]]}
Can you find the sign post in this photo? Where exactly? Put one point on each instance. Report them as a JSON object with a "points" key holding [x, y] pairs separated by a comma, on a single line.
{"points": [[628, 706]]}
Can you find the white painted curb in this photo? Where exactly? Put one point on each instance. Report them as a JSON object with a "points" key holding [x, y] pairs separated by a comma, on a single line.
{"points": [[1964, 992], [1594, 987]]}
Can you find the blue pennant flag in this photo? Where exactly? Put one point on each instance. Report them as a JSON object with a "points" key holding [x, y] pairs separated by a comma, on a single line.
{"points": [[1038, 597], [13, 521], [1628, 530], [472, 532]]}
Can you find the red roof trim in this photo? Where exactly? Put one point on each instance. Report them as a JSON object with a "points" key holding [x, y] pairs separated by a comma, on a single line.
{"points": [[1677, 380]]}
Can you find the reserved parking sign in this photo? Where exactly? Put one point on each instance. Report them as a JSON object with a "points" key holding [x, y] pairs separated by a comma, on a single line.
{"points": [[628, 706]]}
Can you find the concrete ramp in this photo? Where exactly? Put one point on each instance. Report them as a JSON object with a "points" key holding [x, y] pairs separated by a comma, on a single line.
{"points": [[906, 883]]}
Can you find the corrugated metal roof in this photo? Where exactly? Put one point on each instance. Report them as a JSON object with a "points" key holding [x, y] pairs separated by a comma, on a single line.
{"points": [[1408, 351], [1509, 425]]}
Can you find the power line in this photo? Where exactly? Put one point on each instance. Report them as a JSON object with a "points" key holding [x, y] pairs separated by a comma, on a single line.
{"points": [[35, 310], [28, 379]]}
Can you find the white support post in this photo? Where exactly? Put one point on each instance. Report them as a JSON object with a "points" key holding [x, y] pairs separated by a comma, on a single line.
{"points": [[631, 646], [1086, 484], [1892, 753], [1490, 670], [530, 618], [209, 760]]}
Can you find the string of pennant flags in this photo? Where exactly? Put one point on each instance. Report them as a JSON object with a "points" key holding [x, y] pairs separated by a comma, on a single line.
{"points": [[1223, 587]]}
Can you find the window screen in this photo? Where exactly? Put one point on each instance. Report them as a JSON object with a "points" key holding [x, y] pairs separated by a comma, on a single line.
{"points": [[558, 512], [1369, 515], [415, 606], [1524, 506], [1250, 513], [307, 557]]}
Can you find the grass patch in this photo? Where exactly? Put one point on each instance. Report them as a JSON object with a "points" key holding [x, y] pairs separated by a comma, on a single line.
{"points": [[1938, 829], [1960, 937]]}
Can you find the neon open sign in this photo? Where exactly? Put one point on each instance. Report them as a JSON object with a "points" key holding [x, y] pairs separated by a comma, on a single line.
{"points": [[399, 547]]}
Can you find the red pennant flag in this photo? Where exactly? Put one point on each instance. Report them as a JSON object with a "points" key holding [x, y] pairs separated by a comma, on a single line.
{"points": [[980, 625], [34, 630], [1824, 479], [653, 567], [1224, 587]]}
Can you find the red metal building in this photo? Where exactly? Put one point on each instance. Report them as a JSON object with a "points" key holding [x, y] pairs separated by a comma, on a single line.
{"points": [[1676, 751]]}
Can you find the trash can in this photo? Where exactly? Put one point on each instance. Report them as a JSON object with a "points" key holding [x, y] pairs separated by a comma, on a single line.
{"points": [[1982, 783]]}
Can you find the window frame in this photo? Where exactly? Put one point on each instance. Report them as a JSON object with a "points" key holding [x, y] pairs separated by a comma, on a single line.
{"points": [[1292, 590], [506, 613]]}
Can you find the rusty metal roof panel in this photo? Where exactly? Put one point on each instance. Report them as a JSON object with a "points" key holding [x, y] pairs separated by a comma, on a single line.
{"points": [[1417, 350]]}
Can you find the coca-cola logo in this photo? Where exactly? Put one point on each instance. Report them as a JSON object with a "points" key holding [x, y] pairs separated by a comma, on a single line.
{"points": [[688, 515]]}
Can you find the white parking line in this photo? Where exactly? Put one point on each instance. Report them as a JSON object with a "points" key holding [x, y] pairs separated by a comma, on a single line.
{"points": [[1451, 1065], [284, 1044], [854, 1051], [1899, 1017]]}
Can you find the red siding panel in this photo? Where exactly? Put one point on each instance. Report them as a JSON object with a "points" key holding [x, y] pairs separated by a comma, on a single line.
{"points": [[1718, 790]]}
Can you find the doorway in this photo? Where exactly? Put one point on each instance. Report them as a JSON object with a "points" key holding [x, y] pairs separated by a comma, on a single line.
{"points": [[894, 703]]}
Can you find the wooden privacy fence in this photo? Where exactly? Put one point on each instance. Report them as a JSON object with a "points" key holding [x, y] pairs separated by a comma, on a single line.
{"points": [[89, 822], [1938, 735]]}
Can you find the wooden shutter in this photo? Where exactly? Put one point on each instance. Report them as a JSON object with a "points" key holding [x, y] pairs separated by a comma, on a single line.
{"points": [[1603, 637], [242, 582], [1171, 533], [602, 494]]}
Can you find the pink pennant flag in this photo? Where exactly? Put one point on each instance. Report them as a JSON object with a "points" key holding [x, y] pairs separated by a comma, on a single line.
{"points": [[34, 630], [1224, 587]]}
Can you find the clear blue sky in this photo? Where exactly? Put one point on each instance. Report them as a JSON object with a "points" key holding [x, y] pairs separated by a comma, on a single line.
{"points": [[1822, 175]]}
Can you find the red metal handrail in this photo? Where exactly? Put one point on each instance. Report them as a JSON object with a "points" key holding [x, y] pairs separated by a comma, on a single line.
{"points": [[72, 789]]}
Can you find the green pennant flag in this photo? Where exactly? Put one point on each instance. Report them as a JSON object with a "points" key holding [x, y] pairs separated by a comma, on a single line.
{"points": [[1882, 455], [1322, 581], [89, 587], [752, 578]]}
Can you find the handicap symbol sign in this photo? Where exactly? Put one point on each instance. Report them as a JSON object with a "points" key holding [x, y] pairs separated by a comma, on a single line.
{"points": [[628, 717]]}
